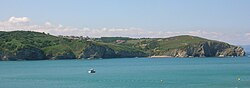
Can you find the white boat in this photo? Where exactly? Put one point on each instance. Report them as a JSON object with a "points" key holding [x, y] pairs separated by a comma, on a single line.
{"points": [[91, 70], [238, 78]]}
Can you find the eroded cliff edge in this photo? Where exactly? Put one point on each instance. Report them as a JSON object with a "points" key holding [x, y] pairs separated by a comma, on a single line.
{"points": [[207, 49]]}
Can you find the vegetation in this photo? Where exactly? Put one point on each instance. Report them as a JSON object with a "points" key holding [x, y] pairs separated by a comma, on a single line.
{"points": [[53, 46], [155, 46], [11, 42]]}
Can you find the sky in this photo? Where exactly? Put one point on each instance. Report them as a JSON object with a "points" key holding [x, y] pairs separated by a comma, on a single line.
{"points": [[223, 20]]}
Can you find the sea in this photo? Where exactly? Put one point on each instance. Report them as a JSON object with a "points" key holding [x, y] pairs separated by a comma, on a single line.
{"points": [[229, 72]]}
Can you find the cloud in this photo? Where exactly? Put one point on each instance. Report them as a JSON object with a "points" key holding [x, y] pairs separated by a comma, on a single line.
{"points": [[24, 23], [247, 34], [19, 20], [47, 24]]}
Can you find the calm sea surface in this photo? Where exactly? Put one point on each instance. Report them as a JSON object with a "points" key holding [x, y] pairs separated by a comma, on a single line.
{"points": [[128, 73]]}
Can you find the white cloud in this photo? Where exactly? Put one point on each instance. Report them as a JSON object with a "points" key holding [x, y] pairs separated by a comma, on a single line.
{"points": [[19, 20], [247, 34], [47, 24], [24, 23]]}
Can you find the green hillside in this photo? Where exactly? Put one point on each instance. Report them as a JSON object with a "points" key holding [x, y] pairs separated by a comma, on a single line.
{"points": [[11, 42], [53, 47], [30, 45]]}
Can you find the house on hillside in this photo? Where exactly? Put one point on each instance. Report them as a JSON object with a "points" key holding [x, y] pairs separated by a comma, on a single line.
{"points": [[120, 41]]}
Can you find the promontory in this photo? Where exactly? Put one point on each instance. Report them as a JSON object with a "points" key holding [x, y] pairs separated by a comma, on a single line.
{"points": [[28, 45]]}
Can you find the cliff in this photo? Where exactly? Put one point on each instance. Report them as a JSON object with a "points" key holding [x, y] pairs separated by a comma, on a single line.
{"points": [[27, 45], [207, 49], [103, 51], [27, 53]]}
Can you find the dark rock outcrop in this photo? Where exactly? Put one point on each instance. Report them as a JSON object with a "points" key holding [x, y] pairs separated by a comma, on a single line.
{"points": [[1, 55], [34, 54], [23, 54], [96, 51], [30, 54]]}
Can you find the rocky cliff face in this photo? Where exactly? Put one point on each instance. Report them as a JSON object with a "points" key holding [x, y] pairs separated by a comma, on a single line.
{"points": [[207, 49], [1, 55], [30, 54], [97, 51], [65, 55], [34, 54], [24, 54], [232, 51]]}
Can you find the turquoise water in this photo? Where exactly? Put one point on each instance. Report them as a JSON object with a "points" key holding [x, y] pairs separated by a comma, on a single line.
{"points": [[127, 73]]}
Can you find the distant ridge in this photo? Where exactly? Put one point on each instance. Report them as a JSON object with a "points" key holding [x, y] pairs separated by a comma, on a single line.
{"points": [[28, 45]]}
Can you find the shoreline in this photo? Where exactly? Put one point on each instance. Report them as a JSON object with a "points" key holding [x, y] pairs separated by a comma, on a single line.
{"points": [[160, 56]]}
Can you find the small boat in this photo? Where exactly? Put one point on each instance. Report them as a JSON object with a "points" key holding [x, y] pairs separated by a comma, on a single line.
{"points": [[91, 70], [238, 78]]}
